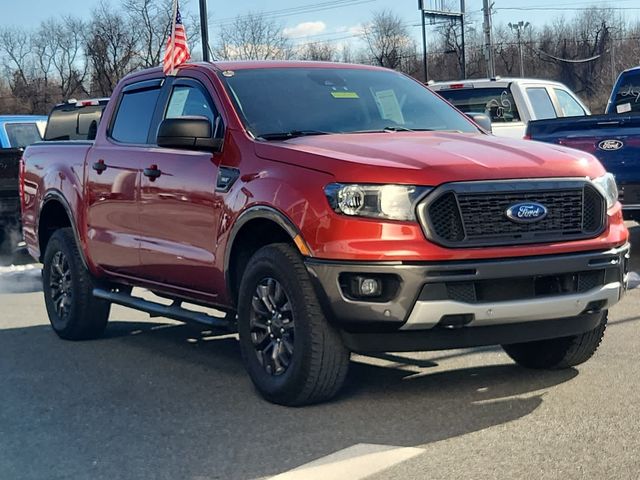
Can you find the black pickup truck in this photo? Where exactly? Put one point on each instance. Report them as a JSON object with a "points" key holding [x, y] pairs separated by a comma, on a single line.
{"points": [[9, 200], [613, 137], [72, 120]]}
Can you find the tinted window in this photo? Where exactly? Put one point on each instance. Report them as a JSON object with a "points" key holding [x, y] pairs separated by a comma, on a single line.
{"points": [[627, 98], [497, 103], [541, 103], [134, 116], [69, 122], [22, 134], [189, 101], [569, 105], [277, 100]]}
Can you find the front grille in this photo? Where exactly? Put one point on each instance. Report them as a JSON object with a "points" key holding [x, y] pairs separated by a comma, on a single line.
{"points": [[516, 288], [474, 213]]}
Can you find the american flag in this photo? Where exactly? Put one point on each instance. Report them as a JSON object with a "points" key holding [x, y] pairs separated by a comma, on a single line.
{"points": [[177, 51]]}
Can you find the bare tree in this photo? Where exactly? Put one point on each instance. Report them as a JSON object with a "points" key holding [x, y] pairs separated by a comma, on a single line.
{"points": [[59, 49], [253, 37], [15, 46], [111, 49], [153, 19], [388, 39], [317, 51]]}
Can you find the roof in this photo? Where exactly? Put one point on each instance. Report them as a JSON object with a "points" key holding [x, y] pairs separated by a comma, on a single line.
{"points": [[252, 64], [22, 118], [497, 80]]}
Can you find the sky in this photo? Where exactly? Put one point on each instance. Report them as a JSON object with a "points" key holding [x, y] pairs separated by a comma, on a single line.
{"points": [[323, 20]]}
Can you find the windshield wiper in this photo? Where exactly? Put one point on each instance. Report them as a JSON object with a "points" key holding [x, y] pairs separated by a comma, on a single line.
{"points": [[291, 134], [394, 128]]}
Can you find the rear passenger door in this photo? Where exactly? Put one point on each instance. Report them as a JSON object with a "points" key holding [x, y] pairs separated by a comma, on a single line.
{"points": [[113, 168], [180, 207]]}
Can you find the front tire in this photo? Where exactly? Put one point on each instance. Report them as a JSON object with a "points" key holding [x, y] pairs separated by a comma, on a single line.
{"points": [[74, 313], [292, 354], [558, 353]]}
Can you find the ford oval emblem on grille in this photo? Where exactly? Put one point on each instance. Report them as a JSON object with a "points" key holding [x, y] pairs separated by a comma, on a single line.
{"points": [[610, 145], [526, 212]]}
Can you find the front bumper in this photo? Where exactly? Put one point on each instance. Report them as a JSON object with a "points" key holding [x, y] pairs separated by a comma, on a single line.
{"points": [[471, 295]]}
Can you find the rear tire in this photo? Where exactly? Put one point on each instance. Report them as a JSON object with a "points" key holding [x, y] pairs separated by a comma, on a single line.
{"points": [[74, 313], [292, 354], [558, 353]]}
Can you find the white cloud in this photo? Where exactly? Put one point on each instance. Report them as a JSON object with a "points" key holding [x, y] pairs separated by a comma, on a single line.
{"points": [[356, 29], [305, 29]]}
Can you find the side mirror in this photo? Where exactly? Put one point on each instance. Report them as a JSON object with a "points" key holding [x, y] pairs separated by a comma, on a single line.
{"points": [[481, 119], [189, 133]]}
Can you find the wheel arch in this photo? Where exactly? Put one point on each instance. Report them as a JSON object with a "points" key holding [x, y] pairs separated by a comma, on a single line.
{"points": [[56, 213], [255, 228]]}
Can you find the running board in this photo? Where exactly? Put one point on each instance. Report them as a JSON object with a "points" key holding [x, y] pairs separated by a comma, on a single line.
{"points": [[174, 311]]}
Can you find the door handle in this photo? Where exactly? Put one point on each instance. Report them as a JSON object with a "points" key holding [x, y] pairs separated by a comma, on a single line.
{"points": [[99, 166], [152, 172]]}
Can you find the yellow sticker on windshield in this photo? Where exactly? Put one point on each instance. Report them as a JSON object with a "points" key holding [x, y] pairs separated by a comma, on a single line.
{"points": [[344, 95]]}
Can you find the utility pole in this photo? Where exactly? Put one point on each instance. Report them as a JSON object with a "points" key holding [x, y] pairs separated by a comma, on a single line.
{"points": [[519, 28], [488, 43], [464, 55], [204, 31], [424, 42]]}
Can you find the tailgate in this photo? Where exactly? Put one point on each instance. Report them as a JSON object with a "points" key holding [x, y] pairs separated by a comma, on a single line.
{"points": [[614, 139], [9, 166]]}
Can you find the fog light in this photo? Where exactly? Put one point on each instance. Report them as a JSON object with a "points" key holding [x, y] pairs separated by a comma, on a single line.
{"points": [[367, 287]]}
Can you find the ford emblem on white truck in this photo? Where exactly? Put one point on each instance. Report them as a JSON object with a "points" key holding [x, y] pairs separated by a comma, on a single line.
{"points": [[610, 145], [529, 212]]}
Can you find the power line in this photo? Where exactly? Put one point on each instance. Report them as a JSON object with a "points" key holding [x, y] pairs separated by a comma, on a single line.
{"points": [[291, 11], [564, 9]]}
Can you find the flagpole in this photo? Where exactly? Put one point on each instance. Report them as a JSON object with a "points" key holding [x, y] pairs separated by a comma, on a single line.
{"points": [[173, 35]]}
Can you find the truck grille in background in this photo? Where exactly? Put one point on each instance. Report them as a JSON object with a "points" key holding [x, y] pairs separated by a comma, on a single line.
{"points": [[9, 208], [474, 213]]}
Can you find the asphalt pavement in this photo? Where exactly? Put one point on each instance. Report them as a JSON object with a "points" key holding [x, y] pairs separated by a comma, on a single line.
{"points": [[159, 400]]}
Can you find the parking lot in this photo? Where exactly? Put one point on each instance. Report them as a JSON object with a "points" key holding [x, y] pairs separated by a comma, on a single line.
{"points": [[156, 399]]}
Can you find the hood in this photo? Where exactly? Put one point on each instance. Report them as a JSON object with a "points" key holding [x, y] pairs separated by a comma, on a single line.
{"points": [[429, 158]]}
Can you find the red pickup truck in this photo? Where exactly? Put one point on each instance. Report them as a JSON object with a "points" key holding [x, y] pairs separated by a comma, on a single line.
{"points": [[329, 209]]}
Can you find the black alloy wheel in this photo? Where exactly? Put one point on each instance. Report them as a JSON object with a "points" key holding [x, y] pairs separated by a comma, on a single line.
{"points": [[272, 326]]}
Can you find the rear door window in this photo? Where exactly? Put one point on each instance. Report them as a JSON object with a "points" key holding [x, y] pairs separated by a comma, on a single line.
{"points": [[569, 105], [541, 103], [135, 113], [22, 135], [497, 103]]}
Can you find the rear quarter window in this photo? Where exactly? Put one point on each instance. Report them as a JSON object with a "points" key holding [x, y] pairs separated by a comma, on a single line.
{"points": [[497, 103]]}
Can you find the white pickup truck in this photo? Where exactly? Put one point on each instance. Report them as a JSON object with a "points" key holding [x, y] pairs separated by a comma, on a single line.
{"points": [[512, 102]]}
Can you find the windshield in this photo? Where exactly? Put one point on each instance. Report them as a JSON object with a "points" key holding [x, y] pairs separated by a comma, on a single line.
{"points": [[22, 135], [497, 103], [627, 98], [330, 100]]}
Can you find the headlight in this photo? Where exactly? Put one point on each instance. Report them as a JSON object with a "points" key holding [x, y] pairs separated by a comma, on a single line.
{"points": [[606, 185], [394, 202]]}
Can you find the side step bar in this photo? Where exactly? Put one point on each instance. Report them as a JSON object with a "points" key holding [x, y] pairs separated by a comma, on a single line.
{"points": [[174, 311]]}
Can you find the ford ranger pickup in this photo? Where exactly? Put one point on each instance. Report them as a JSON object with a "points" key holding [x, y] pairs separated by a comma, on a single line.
{"points": [[327, 209]]}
